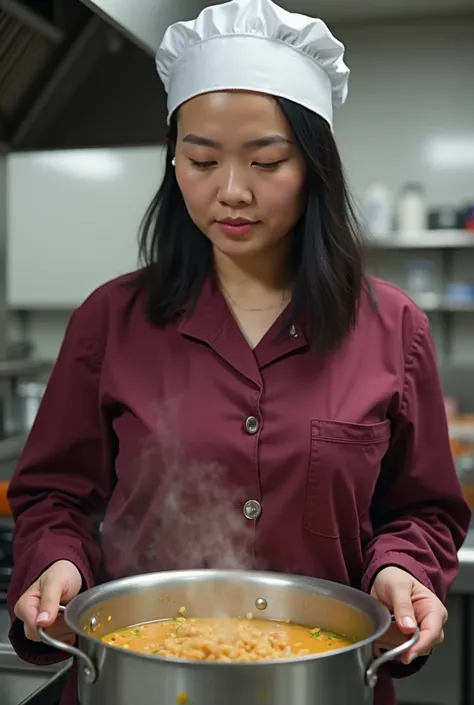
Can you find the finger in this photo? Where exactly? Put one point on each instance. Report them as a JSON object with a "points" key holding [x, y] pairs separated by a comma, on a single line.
{"points": [[58, 630], [63, 634], [403, 611], [26, 610], [427, 641], [31, 633], [65, 637], [49, 602], [431, 634]]}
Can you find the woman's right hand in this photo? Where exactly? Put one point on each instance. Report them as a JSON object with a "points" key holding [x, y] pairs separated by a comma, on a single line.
{"points": [[39, 605]]}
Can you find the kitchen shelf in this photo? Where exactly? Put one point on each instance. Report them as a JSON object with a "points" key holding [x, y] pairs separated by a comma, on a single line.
{"points": [[24, 368], [447, 245], [446, 306], [428, 239]]}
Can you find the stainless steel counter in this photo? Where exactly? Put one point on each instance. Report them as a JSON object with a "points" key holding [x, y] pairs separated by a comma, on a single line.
{"points": [[464, 584], [20, 680]]}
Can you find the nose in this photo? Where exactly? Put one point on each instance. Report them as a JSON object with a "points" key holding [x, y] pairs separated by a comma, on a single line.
{"points": [[234, 188]]}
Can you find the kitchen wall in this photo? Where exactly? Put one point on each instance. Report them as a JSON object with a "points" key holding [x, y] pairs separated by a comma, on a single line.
{"points": [[409, 117]]}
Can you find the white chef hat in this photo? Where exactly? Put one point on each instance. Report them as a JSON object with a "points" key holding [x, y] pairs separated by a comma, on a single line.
{"points": [[254, 45]]}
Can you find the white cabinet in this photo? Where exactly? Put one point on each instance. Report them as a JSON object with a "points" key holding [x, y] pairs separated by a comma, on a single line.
{"points": [[72, 220]]}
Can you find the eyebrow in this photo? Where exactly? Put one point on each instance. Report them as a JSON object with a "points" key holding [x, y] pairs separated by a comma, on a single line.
{"points": [[266, 141]]}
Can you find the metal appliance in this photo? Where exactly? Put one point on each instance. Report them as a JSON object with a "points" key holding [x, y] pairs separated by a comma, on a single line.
{"points": [[146, 26]]}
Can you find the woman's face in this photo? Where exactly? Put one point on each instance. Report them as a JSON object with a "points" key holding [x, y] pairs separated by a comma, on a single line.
{"points": [[236, 160]]}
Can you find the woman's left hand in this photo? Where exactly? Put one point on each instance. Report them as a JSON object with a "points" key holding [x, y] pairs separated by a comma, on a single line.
{"points": [[412, 604]]}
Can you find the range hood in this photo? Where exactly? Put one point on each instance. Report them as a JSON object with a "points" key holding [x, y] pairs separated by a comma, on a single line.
{"points": [[46, 48], [145, 21], [27, 41]]}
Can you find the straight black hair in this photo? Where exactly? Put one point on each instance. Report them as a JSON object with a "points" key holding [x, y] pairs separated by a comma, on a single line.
{"points": [[326, 254]]}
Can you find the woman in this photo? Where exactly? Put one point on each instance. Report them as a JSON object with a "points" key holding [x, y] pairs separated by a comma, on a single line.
{"points": [[250, 398]]}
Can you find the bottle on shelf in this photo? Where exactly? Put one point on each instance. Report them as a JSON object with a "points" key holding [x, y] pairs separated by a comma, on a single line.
{"points": [[411, 209]]}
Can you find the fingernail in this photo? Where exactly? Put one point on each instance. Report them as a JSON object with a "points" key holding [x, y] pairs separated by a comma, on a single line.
{"points": [[408, 622], [42, 617], [412, 657]]}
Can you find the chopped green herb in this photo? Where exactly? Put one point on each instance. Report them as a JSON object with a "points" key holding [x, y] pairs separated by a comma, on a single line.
{"points": [[137, 632], [332, 635], [316, 633]]}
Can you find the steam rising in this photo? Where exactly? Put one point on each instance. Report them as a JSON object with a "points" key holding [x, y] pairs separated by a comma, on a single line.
{"points": [[182, 513]]}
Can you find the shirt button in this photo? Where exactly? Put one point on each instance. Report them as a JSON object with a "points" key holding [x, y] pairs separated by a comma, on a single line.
{"points": [[252, 509], [293, 332], [251, 425]]}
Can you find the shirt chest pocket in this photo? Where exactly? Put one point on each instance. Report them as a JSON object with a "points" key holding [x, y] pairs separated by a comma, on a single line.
{"points": [[343, 470]]}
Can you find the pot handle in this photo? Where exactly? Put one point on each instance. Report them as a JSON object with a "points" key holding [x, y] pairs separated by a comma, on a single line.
{"points": [[88, 667], [372, 672]]}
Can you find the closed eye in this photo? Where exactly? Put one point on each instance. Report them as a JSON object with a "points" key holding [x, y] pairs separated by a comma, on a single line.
{"points": [[269, 165], [260, 165], [202, 165]]}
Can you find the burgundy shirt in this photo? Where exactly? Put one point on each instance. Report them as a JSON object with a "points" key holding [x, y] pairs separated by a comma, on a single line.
{"points": [[173, 431]]}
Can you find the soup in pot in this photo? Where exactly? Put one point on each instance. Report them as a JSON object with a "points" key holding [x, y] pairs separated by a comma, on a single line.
{"points": [[226, 639]]}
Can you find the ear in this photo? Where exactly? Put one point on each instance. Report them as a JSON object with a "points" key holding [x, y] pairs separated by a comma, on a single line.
{"points": [[171, 152], [171, 148]]}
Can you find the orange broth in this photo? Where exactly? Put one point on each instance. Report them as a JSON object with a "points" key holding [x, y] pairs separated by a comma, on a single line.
{"points": [[225, 639]]}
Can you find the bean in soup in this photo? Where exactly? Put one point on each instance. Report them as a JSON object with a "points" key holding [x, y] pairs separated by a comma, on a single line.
{"points": [[225, 639]]}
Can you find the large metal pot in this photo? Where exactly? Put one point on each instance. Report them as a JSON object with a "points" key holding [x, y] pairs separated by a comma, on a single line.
{"points": [[111, 676]]}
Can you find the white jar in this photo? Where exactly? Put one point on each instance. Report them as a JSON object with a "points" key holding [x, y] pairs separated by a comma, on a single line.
{"points": [[411, 213]]}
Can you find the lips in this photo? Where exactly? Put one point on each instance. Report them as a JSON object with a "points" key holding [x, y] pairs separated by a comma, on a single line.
{"points": [[236, 221], [236, 227]]}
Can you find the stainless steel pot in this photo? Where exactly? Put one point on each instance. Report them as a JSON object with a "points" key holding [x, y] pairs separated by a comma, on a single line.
{"points": [[111, 676]]}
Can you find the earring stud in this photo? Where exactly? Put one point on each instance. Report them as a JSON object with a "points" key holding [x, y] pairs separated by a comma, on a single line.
{"points": [[173, 162]]}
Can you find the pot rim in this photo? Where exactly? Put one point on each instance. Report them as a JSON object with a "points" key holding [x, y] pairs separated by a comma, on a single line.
{"points": [[351, 596]]}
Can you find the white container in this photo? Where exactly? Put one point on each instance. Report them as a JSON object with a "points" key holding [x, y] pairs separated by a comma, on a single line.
{"points": [[378, 210], [411, 213]]}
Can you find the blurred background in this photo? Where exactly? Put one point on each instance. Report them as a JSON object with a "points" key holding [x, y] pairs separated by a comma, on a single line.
{"points": [[82, 127]]}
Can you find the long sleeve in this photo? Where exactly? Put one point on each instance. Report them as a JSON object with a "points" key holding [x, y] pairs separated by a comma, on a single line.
{"points": [[419, 513], [65, 474]]}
